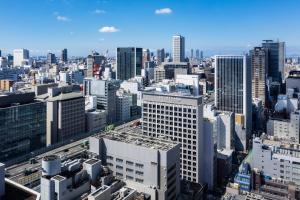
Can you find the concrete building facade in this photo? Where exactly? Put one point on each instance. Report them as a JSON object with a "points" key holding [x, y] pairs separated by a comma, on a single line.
{"points": [[65, 116], [178, 48], [155, 163], [178, 118]]}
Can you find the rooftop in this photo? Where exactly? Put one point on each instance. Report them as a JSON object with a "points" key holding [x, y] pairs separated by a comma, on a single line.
{"points": [[91, 161], [172, 93], [138, 140], [66, 96]]}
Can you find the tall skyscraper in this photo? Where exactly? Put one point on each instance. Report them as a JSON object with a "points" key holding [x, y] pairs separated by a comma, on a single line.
{"points": [[89, 66], [197, 54], [129, 62], [0, 53], [276, 59], [178, 118], [259, 64], [21, 56], [178, 48], [64, 55], [233, 91], [51, 59], [192, 53], [160, 57], [146, 56]]}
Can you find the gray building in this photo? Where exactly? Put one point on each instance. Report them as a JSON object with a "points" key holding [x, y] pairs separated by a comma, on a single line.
{"points": [[276, 159], [22, 125], [293, 81], [233, 92], [285, 129], [129, 62], [105, 91], [95, 120], [65, 115], [147, 164], [276, 59], [259, 64], [169, 70], [178, 48], [160, 56], [179, 118]]}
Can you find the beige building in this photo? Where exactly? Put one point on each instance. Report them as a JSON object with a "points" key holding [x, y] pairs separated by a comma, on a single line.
{"points": [[6, 84]]}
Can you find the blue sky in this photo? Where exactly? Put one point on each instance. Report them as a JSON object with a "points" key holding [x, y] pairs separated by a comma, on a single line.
{"points": [[214, 26]]}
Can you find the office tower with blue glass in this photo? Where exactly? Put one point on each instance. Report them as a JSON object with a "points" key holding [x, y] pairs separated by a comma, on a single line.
{"points": [[276, 59]]}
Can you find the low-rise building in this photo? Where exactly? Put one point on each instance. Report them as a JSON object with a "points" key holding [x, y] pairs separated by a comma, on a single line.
{"points": [[154, 169]]}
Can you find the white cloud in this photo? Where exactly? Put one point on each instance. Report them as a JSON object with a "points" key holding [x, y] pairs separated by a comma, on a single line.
{"points": [[62, 18], [163, 11], [98, 12], [108, 29]]}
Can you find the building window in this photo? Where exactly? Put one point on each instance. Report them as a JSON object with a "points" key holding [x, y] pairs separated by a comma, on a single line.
{"points": [[129, 170], [139, 165], [139, 173], [129, 163], [139, 180], [119, 167]]}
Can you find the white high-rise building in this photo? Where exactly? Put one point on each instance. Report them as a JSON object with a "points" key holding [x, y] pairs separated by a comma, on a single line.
{"points": [[178, 117], [21, 56], [178, 48]]}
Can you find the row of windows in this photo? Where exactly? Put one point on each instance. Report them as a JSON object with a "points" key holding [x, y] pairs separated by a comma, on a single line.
{"points": [[168, 117], [169, 108], [166, 132], [167, 120], [119, 160], [175, 126]]}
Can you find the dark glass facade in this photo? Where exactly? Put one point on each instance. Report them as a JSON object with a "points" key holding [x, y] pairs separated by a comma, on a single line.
{"points": [[276, 56], [22, 129], [129, 62], [229, 86]]}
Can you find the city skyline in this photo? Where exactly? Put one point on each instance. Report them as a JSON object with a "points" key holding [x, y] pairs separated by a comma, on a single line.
{"points": [[82, 26]]}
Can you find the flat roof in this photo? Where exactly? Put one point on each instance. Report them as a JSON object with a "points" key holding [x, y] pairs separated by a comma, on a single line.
{"points": [[66, 96], [138, 139]]}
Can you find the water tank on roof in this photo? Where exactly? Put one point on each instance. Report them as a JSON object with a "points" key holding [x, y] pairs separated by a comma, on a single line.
{"points": [[51, 165]]}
